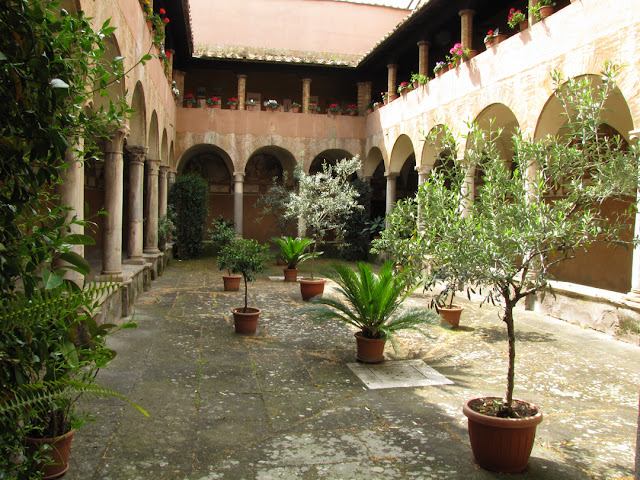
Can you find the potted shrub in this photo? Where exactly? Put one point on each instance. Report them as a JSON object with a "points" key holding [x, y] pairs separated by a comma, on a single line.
{"points": [[543, 9], [165, 230], [493, 37], [418, 79], [190, 100], [233, 103], [334, 109], [221, 233], [517, 18], [271, 105], [352, 110], [323, 200], [250, 104], [521, 230], [52, 351], [404, 88], [457, 54], [213, 102], [314, 108], [372, 305], [295, 107], [439, 68], [245, 257], [293, 252], [371, 106], [188, 198]]}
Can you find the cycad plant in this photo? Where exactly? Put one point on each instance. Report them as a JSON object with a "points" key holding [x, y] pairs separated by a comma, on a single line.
{"points": [[372, 302], [292, 250]]}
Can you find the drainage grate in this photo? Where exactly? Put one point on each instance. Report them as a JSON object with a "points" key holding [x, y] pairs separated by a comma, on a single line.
{"points": [[398, 374]]}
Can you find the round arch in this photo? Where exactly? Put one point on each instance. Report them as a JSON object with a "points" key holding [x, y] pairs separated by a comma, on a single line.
{"points": [[154, 137], [115, 89], [137, 122], [601, 266], [331, 156]]}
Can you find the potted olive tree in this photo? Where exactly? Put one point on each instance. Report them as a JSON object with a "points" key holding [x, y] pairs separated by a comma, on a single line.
{"points": [[245, 257], [517, 229], [323, 201], [372, 304], [293, 252]]}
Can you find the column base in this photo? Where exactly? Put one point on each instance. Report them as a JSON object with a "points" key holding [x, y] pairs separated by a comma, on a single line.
{"points": [[151, 251], [634, 296], [134, 261], [110, 277]]}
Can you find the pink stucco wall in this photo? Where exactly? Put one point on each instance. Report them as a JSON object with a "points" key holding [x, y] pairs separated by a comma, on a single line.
{"points": [[307, 25]]}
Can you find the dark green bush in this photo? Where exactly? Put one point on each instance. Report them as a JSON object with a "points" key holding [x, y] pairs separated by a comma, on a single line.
{"points": [[188, 197]]}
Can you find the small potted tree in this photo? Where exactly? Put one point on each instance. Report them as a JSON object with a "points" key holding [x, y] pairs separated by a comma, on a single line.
{"points": [[292, 252], [222, 233], [323, 200], [245, 257], [371, 305], [295, 107], [516, 230]]}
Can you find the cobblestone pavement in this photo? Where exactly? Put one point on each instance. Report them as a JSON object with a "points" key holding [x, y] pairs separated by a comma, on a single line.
{"points": [[284, 404]]}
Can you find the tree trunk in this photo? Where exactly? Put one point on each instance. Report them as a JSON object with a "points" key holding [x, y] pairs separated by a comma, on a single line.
{"points": [[508, 319], [638, 446], [246, 297]]}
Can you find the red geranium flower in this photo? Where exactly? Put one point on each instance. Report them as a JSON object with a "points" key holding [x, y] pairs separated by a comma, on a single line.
{"points": [[163, 11]]}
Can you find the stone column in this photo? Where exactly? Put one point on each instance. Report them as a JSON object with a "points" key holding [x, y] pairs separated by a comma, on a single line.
{"points": [[113, 202], [423, 57], [136, 212], [530, 15], [71, 192], [392, 74], [242, 91], [151, 202], [634, 294], [468, 189], [423, 173], [171, 177], [306, 94], [163, 190], [238, 200], [466, 28], [391, 190], [364, 97]]}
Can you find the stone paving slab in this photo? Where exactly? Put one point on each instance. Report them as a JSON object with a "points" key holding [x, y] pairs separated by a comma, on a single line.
{"points": [[285, 404]]}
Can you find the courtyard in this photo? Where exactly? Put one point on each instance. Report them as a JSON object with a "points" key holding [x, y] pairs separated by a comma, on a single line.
{"points": [[289, 401]]}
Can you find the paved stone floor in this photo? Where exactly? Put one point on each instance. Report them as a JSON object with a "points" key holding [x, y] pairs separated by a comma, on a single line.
{"points": [[284, 403]]}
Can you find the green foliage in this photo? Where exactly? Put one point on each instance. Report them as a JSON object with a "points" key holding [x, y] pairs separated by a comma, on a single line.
{"points": [[166, 228], [507, 239], [325, 199], [372, 302], [221, 232], [245, 257], [50, 67], [274, 204], [356, 231], [417, 77], [189, 196], [292, 250]]}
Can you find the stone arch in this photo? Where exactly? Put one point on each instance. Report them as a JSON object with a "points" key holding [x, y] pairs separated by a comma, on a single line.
{"points": [[331, 156], [374, 168], [493, 118], [116, 90], [403, 162], [138, 120], [154, 137], [601, 266], [215, 166], [164, 148], [265, 165], [434, 148]]}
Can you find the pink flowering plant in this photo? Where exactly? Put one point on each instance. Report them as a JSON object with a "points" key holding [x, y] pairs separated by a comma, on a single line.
{"points": [[457, 53], [515, 17]]}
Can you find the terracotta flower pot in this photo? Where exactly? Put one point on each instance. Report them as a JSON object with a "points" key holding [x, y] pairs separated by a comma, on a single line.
{"points": [[245, 322], [546, 11], [501, 444], [290, 274], [250, 107], [233, 107], [451, 315], [310, 288], [231, 282], [524, 24], [295, 109], [369, 350], [60, 450]]}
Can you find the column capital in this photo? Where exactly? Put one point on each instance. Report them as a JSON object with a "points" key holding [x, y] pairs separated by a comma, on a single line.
{"points": [[422, 169], [164, 169], [306, 80], [424, 43], [241, 75], [238, 176], [466, 11], [138, 152], [116, 138], [392, 175], [392, 66]]}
